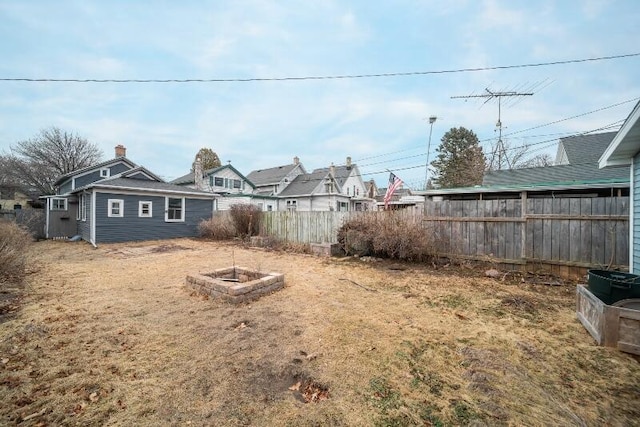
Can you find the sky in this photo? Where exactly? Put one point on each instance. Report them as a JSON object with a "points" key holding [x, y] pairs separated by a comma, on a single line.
{"points": [[254, 117]]}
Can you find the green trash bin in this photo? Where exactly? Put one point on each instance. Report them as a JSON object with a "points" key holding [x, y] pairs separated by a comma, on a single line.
{"points": [[613, 286]]}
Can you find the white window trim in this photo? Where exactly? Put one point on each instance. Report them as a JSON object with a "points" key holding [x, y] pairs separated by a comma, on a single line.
{"points": [[83, 207], [105, 173], [110, 204], [141, 204], [79, 205], [66, 206], [166, 209]]}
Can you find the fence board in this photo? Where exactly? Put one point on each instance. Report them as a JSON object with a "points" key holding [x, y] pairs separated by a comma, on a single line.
{"points": [[560, 232]]}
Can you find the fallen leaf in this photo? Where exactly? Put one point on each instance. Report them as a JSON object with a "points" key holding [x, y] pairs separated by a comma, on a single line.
{"points": [[296, 386], [5, 361], [93, 397]]}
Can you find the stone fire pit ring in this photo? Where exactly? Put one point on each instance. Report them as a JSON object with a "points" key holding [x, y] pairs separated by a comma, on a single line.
{"points": [[235, 284]]}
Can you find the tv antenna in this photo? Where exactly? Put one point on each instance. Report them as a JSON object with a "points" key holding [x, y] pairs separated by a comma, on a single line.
{"points": [[499, 149]]}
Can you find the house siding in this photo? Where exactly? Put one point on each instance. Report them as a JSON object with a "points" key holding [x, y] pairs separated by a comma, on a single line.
{"points": [[84, 227], [635, 267], [130, 227], [66, 187], [63, 223], [94, 176]]}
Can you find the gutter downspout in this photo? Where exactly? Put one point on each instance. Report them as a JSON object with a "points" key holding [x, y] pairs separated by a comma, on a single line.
{"points": [[632, 215], [46, 222]]}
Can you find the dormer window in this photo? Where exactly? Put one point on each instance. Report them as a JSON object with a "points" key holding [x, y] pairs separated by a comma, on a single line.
{"points": [[105, 173]]}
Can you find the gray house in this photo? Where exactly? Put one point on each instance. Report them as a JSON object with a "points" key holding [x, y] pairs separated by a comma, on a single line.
{"points": [[118, 201], [624, 151]]}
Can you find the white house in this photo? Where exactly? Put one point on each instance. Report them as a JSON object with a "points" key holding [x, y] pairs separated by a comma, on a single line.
{"points": [[336, 188]]}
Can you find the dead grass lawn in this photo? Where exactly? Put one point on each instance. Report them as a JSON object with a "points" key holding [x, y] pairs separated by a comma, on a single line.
{"points": [[111, 336]]}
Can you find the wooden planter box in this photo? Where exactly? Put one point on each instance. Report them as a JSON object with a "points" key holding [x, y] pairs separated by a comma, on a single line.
{"points": [[609, 325]]}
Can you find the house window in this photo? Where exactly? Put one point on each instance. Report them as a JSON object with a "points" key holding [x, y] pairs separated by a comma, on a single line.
{"points": [[58, 204], [237, 183], [145, 209], [343, 206], [82, 208], [116, 208], [174, 209], [218, 182], [105, 173], [292, 205]]}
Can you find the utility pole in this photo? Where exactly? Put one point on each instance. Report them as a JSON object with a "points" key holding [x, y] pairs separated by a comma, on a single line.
{"points": [[499, 148], [432, 120]]}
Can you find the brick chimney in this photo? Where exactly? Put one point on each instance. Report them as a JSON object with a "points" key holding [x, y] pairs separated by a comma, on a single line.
{"points": [[349, 161], [296, 160], [121, 151], [332, 170]]}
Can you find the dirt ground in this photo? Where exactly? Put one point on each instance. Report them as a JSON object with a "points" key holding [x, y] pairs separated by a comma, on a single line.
{"points": [[111, 336]]}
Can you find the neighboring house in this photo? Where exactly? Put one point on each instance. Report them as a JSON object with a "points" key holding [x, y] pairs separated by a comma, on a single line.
{"points": [[272, 181], [118, 201], [574, 174], [336, 188], [12, 198], [225, 181], [624, 151], [402, 198]]}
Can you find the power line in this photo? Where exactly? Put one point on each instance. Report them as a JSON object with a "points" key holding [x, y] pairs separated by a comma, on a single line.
{"points": [[329, 77]]}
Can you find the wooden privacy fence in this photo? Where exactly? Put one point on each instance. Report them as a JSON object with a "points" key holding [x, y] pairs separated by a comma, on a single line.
{"points": [[318, 227], [563, 235]]}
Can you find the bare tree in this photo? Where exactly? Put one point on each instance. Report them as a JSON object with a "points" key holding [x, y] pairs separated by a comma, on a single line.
{"points": [[37, 163], [515, 157], [537, 161]]}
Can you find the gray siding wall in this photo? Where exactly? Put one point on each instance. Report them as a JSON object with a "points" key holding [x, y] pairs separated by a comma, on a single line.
{"points": [[63, 223], [65, 187], [140, 175], [88, 179], [95, 176], [635, 268], [84, 227], [118, 168], [131, 227]]}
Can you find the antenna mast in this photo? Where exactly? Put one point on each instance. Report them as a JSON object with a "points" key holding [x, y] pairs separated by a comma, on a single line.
{"points": [[499, 148]]}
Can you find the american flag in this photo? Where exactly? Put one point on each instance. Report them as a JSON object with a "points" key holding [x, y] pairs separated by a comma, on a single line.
{"points": [[394, 183]]}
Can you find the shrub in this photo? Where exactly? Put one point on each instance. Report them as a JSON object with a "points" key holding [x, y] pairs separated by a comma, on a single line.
{"points": [[14, 244], [389, 235], [219, 227], [247, 219]]}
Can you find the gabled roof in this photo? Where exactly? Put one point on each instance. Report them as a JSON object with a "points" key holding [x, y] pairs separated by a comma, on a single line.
{"points": [[272, 176], [626, 144], [189, 178], [66, 176], [558, 175], [305, 184], [585, 148], [582, 152], [140, 169], [145, 185], [341, 173]]}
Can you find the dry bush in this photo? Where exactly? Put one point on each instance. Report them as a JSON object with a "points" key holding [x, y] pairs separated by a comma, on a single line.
{"points": [[219, 227], [246, 219], [389, 236], [14, 243]]}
